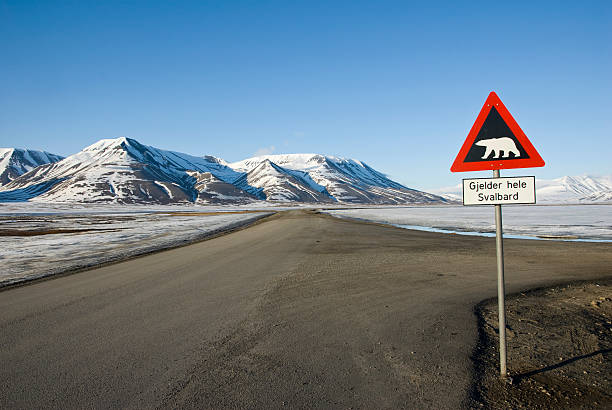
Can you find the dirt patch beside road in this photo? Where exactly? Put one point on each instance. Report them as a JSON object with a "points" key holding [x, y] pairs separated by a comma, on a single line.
{"points": [[559, 349]]}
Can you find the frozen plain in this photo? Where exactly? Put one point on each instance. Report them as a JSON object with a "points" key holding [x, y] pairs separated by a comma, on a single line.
{"points": [[570, 222], [111, 232], [41, 240]]}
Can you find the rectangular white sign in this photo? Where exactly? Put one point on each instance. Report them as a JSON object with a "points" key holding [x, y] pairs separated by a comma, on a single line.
{"points": [[493, 191]]}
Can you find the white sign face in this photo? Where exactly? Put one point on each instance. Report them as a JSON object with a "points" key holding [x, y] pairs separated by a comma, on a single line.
{"points": [[494, 191]]}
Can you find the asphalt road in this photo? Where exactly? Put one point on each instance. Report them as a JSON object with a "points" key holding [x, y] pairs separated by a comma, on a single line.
{"points": [[298, 311]]}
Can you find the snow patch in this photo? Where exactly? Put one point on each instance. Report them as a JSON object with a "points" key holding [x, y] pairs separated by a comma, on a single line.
{"points": [[581, 221], [117, 232]]}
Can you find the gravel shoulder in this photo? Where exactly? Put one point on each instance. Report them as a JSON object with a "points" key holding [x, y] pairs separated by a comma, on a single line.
{"points": [[559, 349]]}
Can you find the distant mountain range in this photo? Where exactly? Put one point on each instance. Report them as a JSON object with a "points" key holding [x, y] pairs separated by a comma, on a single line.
{"points": [[122, 170], [564, 190]]}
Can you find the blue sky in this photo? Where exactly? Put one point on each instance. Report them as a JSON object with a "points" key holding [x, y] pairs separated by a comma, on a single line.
{"points": [[395, 84]]}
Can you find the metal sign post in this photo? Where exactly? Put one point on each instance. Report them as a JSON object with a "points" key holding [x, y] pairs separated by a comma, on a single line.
{"points": [[501, 287]]}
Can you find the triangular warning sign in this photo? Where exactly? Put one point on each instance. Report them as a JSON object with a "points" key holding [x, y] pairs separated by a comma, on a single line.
{"points": [[496, 142]]}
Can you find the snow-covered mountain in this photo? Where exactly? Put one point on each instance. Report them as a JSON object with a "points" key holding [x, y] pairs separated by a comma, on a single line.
{"points": [[567, 189], [575, 189], [125, 171], [280, 184], [211, 189], [15, 162], [342, 180]]}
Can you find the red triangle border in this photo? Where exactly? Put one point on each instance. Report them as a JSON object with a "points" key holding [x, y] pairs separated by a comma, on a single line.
{"points": [[534, 160]]}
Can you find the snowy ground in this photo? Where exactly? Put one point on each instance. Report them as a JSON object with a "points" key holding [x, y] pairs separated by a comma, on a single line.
{"points": [[35, 242], [574, 222], [12, 208]]}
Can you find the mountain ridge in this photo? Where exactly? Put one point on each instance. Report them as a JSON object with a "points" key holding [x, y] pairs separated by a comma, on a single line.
{"points": [[125, 171], [346, 180]]}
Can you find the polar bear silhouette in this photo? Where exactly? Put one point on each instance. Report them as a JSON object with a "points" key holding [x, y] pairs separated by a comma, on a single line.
{"points": [[498, 145]]}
